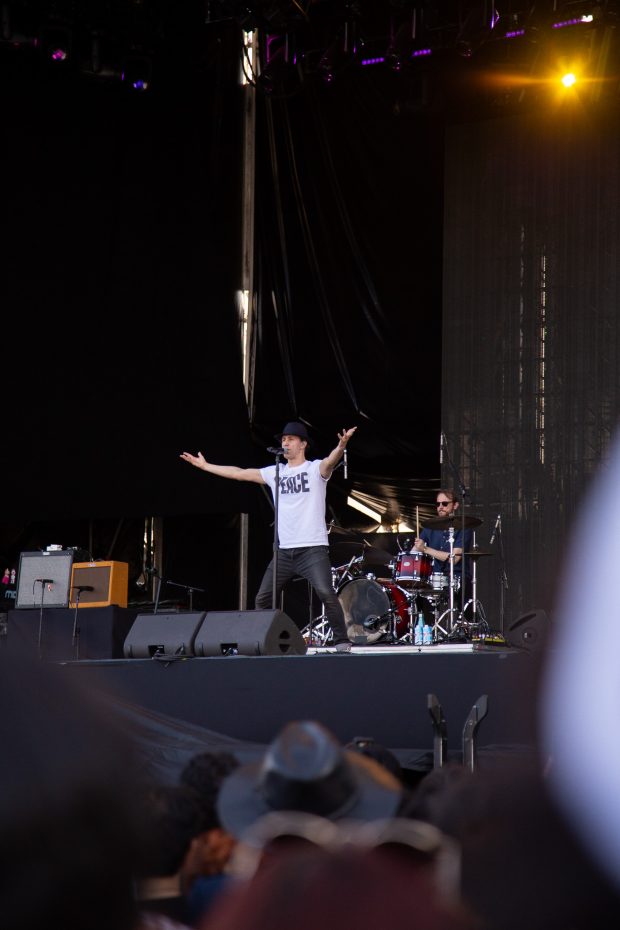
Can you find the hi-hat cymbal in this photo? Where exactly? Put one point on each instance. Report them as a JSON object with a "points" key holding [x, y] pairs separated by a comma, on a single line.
{"points": [[456, 521], [477, 553]]}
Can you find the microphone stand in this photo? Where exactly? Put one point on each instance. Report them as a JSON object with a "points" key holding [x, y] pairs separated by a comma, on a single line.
{"points": [[75, 638], [190, 590], [175, 584], [276, 501], [159, 581], [40, 636], [463, 494], [503, 578]]}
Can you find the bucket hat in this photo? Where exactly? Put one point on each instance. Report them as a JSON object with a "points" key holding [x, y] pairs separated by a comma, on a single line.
{"points": [[306, 769]]}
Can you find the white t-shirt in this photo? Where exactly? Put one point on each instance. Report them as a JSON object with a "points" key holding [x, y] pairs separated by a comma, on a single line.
{"points": [[301, 504]]}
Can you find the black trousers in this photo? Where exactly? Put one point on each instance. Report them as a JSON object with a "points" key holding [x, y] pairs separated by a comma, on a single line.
{"points": [[313, 564]]}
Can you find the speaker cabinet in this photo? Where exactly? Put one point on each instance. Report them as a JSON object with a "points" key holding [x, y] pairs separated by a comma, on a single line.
{"points": [[529, 631], [165, 634], [44, 579], [249, 633], [109, 581]]}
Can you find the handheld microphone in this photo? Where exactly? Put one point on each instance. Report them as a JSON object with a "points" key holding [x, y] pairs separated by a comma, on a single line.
{"points": [[346, 464], [83, 587], [275, 450], [44, 581], [495, 529]]}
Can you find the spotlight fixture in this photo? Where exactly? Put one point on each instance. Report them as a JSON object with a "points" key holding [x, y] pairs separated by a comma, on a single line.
{"points": [[137, 73], [56, 42]]}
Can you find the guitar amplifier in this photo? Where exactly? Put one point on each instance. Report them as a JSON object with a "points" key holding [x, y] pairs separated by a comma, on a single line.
{"points": [[109, 581], [43, 579]]}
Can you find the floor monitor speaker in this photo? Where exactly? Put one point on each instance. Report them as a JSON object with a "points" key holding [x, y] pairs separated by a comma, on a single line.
{"points": [[165, 634], [249, 633], [43, 579], [529, 631]]}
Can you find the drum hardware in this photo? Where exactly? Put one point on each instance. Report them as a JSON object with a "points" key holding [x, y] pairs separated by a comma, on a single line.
{"points": [[477, 608], [346, 572], [318, 632], [453, 628]]}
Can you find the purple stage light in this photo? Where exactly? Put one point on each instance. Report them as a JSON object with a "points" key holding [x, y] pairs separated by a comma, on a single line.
{"points": [[421, 51], [515, 33], [372, 61], [572, 22], [59, 54]]}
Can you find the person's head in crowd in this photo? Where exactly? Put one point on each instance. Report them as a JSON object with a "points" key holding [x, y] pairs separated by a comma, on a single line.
{"points": [[171, 817], [428, 799], [70, 838], [307, 872], [306, 769], [204, 871], [204, 773], [521, 864], [369, 747]]}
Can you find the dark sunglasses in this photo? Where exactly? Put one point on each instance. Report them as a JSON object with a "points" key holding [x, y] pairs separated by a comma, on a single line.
{"points": [[444, 503]]}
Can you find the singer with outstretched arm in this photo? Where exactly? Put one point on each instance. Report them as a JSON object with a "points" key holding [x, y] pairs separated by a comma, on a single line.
{"points": [[303, 549]]}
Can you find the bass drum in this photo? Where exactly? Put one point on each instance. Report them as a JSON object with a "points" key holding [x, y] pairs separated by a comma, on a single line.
{"points": [[368, 608], [400, 608]]}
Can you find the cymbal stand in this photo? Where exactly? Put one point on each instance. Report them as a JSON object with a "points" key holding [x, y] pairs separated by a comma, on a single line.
{"points": [[451, 610], [412, 598], [477, 609]]}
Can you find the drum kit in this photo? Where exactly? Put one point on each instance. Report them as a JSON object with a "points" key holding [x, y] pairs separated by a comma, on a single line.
{"points": [[385, 610]]}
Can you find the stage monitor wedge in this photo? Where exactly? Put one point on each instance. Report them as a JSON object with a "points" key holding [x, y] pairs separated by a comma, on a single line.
{"points": [[157, 635], [249, 633], [109, 581], [44, 578], [530, 631]]}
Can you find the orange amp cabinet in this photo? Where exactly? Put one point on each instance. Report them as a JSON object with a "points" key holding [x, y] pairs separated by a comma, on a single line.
{"points": [[108, 581]]}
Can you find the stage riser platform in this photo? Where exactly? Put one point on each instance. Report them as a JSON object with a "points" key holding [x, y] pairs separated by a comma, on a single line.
{"points": [[251, 698]]}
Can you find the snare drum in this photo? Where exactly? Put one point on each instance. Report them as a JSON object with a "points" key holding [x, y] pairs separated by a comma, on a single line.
{"points": [[412, 569]]}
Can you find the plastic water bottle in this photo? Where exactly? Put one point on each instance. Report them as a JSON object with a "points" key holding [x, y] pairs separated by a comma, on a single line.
{"points": [[418, 635], [427, 635]]}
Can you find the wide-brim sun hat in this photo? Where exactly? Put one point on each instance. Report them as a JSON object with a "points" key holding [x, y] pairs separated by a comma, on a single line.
{"points": [[306, 769]]}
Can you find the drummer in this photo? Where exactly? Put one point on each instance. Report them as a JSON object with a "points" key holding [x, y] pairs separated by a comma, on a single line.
{"points": [[436, 542]]}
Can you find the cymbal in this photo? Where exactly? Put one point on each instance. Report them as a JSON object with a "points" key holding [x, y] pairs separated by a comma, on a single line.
{"points": [[456, 520], [377, 551], [477, 553], [360, 551], [333, 529]]}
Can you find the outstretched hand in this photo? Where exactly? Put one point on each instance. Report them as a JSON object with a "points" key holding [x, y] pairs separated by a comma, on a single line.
{"points": [[345, 435], [197, 460]]}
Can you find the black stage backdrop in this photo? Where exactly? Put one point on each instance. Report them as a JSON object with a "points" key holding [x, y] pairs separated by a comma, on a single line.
{"points": [[122, 227], [531, 384], [120, 224]]}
